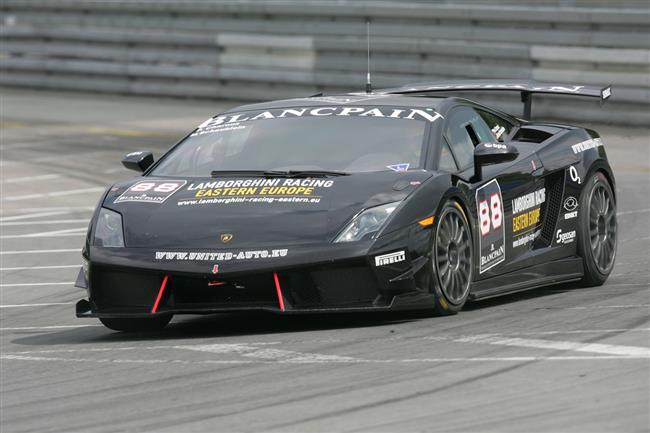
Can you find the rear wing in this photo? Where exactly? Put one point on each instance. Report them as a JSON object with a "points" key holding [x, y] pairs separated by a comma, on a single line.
{"points": [[526, 89]]}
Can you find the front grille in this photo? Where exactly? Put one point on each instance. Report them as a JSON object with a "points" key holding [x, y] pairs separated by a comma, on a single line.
{"points": [[112, 288], [334, 286], [195, 292], [136, 291], [330, 286]]}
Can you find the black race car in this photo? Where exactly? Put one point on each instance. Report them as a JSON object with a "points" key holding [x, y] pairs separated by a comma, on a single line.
{"points": [[387, 200]]}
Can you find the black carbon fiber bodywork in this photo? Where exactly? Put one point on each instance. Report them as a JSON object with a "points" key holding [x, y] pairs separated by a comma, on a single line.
{"points": [[283, 258]]}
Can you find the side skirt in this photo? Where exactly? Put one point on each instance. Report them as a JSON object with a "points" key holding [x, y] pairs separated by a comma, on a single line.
{"points": [[545, 274]]}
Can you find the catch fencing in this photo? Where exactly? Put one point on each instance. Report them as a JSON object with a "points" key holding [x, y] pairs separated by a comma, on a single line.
{"points": [[266, 50]]}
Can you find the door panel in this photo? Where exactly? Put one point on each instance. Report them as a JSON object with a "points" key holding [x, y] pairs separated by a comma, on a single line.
{"points": [[506, 222], [522, 198]]}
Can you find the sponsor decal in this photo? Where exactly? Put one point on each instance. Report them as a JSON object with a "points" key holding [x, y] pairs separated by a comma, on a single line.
{"points": [[586, 145], [525, 239], [257, 191], [388, 259], [528, 201], [215, 269], [232, 121], [565, 237], [226, 237], [573, 174], [222, 256], [204, 201], [399, 167], [151, 191], [495, 146], [498, 131], [606, 92], [490, 212], [570, 215], [526, 210], [570, 203], [526, 220]]}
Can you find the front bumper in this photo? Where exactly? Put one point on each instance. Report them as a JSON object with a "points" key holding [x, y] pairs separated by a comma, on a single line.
{"points": [[131, 282]]}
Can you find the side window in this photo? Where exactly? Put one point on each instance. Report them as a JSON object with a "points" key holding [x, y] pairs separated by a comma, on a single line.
{"points": [[499, 126], [446, 161], [464, 130]]}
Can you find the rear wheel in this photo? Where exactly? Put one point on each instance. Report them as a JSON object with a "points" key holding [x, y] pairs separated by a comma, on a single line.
{"points": [[452, 259], [598, 230], [146, 324]]}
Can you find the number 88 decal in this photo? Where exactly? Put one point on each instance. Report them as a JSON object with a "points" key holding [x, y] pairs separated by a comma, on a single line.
{"points": [[163, 187], [151, 191], [490, 214]]}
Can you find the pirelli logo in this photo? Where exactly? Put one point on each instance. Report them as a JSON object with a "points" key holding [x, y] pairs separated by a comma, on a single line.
{"points": [[391, 258]]}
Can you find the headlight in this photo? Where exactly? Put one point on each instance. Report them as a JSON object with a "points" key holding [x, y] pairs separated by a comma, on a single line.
{"points": [[367, 223], [84, 266], [108, 232]]}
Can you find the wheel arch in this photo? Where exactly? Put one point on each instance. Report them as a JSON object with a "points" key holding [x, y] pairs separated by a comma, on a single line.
{"points": [[602, 166]]}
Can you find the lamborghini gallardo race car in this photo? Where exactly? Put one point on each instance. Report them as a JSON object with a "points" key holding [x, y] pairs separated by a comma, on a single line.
{"points": [[390, 200]]}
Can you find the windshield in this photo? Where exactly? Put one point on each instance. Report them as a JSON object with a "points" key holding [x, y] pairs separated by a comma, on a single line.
{"points": [[345, 139]]}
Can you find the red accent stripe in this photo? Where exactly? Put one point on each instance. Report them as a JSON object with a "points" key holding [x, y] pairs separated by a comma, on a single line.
{"points": [[278, 290], [160, 293]]}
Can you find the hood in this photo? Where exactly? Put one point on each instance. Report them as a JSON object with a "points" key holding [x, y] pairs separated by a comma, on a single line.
{"points": [[250, 211]]}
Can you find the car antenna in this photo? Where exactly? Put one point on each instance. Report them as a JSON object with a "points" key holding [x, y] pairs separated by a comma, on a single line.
{"points": [[368, 84]]}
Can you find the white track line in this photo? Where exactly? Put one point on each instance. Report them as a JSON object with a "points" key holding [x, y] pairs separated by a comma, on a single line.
{"points": [[67, 283], [50, 234], [596, 307], [32, 215], [580, 331], [31, 178], [60, 235], [25, 268], [265, 353], [35, 223], [38, 328], [53, 194], [13, 357], [629, 212], [606, 349], [62, 250], [65, 209], [49, 304]]}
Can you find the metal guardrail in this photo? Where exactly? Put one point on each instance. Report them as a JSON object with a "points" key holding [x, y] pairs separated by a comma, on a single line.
{"points": [[266, 50]]}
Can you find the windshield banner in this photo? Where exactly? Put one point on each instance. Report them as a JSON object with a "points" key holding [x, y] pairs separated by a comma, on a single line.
{"points": [[230, 122]]}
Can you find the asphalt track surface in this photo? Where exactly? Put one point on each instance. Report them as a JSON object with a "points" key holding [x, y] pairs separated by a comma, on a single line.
{"points": [[554, 359]]}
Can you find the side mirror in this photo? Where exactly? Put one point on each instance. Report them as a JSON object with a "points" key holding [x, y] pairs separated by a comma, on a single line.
{"points": [[138, 161], [492, 153]]}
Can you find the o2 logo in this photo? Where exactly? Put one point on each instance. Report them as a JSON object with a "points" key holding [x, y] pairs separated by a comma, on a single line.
{"points": [[490, 215], [151, 191], [573, 173]]}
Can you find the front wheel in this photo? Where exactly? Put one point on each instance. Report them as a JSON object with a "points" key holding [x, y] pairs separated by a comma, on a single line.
{"points": [[598, 230], [452, 259], [146, 324]]}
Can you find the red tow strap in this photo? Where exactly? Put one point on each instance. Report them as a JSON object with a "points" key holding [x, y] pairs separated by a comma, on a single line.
{"points": [[160, 293], [278, 290]]}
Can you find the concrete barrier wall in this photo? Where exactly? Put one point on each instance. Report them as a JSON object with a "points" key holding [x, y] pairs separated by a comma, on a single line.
{"points": [[262, 50]]}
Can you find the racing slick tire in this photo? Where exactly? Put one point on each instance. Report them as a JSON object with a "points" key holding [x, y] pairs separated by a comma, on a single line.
{"points": [[597, 230], [148, 324], [452, 255]]}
